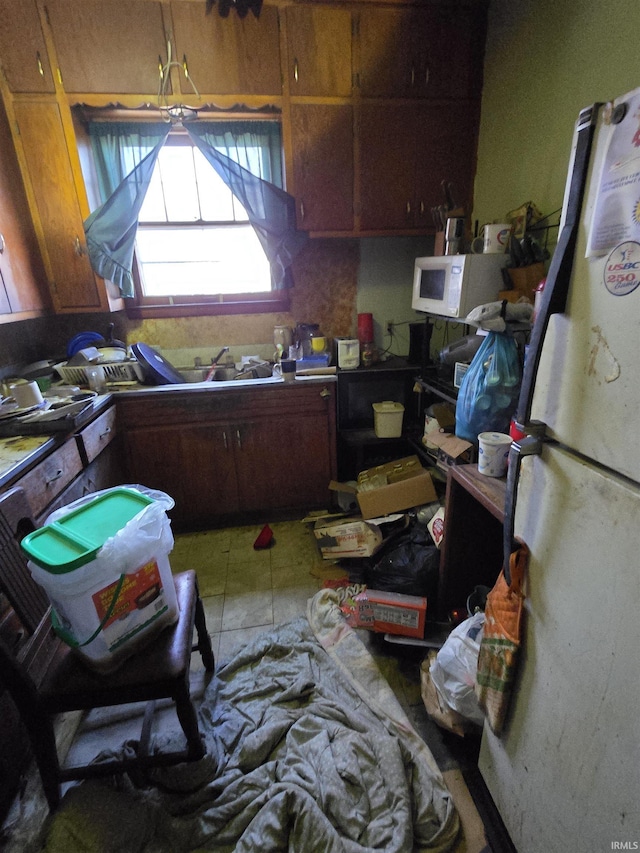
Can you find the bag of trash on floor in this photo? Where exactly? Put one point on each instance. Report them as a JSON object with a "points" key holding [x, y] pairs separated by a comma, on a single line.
{"points": [[453, 671], [411, 566]]}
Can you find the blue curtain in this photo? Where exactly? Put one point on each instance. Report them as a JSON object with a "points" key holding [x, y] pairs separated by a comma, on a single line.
{"points": [[251, 176], [246, 155], [124, 155]]}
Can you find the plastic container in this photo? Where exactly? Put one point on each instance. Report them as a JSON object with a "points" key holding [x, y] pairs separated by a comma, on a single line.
{"points": [[104, 565], [387, 419]]}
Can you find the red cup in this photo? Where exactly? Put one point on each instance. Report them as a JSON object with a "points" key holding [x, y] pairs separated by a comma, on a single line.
{"points": [[365, 328]]}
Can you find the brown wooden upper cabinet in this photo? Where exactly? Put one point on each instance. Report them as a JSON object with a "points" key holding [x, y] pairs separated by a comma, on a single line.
{"points": [[116, 47], [407, 150], [420, 53], [319, 51], [23, 292], [23, 51], [322, 142], [228, 56], [46, 157]]}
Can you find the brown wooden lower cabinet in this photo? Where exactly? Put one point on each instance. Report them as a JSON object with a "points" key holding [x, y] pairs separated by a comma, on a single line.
{"points": [[224, 453]]}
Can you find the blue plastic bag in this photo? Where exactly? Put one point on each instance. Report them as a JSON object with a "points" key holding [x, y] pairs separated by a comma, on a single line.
{"points": [[489, 391]]}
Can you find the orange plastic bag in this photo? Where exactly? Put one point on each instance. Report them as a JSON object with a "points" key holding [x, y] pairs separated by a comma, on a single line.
{"points": [[498, 656]]}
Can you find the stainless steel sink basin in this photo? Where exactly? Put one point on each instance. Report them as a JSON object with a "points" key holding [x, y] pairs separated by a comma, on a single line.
{"points": [[225, 374]]}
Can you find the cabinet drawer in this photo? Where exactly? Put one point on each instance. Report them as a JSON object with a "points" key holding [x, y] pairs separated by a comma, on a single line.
{"points": [[44, 482], [93, 439]]}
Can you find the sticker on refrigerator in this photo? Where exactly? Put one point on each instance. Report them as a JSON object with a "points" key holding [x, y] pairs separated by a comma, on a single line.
{"points": [[616, 216], [622, 269]]}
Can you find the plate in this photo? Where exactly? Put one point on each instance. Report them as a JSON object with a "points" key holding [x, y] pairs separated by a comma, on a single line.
{"points": [[9, 409]]}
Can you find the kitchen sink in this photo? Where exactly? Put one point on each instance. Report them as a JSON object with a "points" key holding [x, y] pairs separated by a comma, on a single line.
{"points": [[226, 374]]}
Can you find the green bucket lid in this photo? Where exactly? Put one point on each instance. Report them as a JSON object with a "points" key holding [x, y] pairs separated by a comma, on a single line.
{"points": [[75, 539]]}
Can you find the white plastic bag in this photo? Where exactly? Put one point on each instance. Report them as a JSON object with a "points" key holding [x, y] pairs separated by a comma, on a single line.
{"points": [[454, 670]]}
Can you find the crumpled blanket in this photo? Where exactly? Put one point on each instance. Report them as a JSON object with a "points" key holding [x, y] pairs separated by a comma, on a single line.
{"points": [[308, 751]]}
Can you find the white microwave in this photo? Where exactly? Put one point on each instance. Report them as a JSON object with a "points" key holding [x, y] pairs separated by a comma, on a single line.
{"points": [[453, 285]]}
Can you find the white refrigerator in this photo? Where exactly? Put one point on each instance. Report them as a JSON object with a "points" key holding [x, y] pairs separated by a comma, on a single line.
{"points": [[565, 772]]}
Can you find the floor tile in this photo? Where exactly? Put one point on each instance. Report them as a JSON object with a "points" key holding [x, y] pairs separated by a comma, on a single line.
{"points": [[290, 603], [247, 610]]}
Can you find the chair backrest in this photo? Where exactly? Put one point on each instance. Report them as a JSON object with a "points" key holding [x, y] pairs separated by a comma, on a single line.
{"points": [[25, 596]]}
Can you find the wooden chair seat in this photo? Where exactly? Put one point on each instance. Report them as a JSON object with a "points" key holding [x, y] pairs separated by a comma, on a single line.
{"points": [[44, 676]]}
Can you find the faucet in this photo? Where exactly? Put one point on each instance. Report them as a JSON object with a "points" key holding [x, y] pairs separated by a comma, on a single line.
{"points": [[215, 360], [214, 363]]}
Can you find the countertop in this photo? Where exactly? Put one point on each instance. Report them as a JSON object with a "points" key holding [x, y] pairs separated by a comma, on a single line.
{"points": [[19, 453]]}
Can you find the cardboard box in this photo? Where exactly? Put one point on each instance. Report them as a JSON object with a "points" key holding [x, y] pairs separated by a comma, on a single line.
{"points": [[388, 613], [447, 449], [390, 488], [395, 486], [347, 539], [354, 537]]}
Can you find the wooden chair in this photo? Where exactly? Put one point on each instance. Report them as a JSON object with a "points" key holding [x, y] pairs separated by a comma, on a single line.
{"points": [[44, 677]]}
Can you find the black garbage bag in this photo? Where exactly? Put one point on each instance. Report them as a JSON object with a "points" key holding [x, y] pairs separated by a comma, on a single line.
{"points": [[411, 566]]}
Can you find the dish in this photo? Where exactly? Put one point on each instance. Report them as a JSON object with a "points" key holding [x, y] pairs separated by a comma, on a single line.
{"points": [[10, 409]]}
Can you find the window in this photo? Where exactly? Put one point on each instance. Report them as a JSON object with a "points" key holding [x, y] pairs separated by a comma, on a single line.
{"points": [[194, 237]]}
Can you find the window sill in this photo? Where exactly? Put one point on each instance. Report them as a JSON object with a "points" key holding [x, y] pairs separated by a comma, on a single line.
{"points": [[146, 311]]}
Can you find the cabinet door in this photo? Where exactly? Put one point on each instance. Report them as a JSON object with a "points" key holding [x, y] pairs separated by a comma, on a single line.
{"points": [[41, 136], [193, 464], [407, 150], [389, 42], [319, 51], [322, 141], [108, 47], [229, 56], [445, 140], [23, 289], [387, 167], [23, 53], [452, 54]]}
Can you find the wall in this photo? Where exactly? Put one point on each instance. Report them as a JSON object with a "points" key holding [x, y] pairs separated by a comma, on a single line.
{"points": [[544, 62]]}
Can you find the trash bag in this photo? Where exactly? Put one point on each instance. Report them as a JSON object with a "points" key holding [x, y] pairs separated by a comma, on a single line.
{"points": [[410, 567], [489, 391], [454, 670]]}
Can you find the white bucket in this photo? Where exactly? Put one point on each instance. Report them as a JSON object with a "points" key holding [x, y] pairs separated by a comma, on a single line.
{"points": [[129, 574], [493, 453], [387, 418]]}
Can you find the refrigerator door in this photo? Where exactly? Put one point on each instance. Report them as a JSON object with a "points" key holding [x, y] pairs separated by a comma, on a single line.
{"points": [[587, 389], [565, 774]]}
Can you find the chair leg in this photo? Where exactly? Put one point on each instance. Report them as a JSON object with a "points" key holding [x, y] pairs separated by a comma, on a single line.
{"points": [[189, 721], [204, 640], [43, 742]]}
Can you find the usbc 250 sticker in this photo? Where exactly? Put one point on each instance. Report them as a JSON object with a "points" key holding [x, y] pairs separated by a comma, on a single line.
{"points": [[622, 269]]}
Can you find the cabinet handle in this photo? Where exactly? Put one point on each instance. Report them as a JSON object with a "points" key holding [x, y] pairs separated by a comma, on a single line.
{"points": [[408, 207], [39, 61], [55, 477], [239, 439], [301, 211], [421, 208], [224, 439], [105, 433], [426, 76], [325, 393], [413, 76], [79, 249], [295, 70]]}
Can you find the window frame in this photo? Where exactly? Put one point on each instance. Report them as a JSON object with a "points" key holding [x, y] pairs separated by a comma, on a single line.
{"points": [[153, 307]]}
